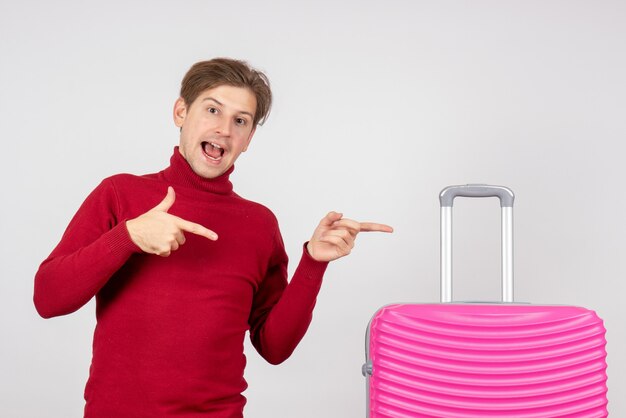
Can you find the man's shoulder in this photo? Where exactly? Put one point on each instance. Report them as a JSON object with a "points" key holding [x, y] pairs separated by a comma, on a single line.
{"points": [[256, 208], [124, 179], [126, 186]]}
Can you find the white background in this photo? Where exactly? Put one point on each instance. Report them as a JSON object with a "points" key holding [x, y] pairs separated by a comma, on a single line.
{"points": [[378, 106]]}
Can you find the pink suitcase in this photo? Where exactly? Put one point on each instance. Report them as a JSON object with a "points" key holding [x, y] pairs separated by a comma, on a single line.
{"points": [[484, 360]]}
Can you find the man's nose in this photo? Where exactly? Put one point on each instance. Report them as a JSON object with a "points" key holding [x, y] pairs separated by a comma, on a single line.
{"points": [[223, 127]]}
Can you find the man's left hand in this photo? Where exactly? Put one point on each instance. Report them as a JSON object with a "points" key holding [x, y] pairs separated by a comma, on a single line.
{"points": [[334, 236]]}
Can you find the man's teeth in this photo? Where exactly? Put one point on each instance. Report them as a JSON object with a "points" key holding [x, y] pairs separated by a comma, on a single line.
{"points": [[212, 150]]}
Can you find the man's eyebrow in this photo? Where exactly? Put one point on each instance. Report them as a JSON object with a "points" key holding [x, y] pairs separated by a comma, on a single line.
{"points": [[215, 100], [221, 104]]}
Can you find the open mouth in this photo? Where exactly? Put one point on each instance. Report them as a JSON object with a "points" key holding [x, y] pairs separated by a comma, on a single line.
{"points": [[212, 150]]}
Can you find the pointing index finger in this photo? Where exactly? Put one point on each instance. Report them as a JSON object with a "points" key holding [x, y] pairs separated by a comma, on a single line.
{"points": [[195, 228], [348, 223], [375, 227]]}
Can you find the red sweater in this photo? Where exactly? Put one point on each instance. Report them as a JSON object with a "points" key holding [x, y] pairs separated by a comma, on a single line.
{"points": [[169, 335]]}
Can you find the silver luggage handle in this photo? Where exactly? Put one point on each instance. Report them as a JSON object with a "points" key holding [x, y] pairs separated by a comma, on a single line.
{"points": [[446, 197]]}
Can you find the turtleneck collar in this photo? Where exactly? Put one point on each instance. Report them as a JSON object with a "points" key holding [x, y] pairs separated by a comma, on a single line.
{"points": [[180, 172]]}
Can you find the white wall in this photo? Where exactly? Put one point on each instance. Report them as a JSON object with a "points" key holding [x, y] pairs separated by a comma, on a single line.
{"points": [[379, 105]]}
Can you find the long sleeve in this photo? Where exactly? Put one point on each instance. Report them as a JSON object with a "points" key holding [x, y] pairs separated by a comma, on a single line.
{"points": [[94, 246], [281, 313], [169, 330]]}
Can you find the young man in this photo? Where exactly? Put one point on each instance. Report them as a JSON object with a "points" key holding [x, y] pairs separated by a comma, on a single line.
{"points": [[181, 266]]}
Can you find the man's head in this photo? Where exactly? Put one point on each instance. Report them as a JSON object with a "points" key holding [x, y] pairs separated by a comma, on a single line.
{"points": [[206, 75], [221, 102]]}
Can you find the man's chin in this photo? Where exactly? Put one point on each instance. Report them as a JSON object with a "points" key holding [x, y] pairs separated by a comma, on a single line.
{"points": [[211, 172]]}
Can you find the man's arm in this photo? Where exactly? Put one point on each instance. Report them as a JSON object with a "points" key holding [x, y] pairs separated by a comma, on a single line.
{"points": [[281, 313], [94, 246], [97, 243]]}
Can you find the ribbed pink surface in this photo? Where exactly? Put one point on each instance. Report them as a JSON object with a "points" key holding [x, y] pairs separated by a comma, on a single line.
{"points": [[487, 360]]}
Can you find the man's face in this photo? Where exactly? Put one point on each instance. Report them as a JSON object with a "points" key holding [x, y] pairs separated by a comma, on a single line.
{"points": [[216, 128]]}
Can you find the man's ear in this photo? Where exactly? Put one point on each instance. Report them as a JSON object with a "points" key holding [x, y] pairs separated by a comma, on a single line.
{"points": [[180, 112], [249, 139]]}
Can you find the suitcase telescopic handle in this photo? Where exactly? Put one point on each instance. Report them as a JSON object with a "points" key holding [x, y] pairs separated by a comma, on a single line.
{"points": [[446, 197]]}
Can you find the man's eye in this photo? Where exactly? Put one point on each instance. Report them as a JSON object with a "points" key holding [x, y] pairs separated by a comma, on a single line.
{"points": [[240, 121], [212, 110]]}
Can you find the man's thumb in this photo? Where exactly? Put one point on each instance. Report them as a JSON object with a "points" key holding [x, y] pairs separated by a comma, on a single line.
{"points": [[166, 203], [331, 217]]}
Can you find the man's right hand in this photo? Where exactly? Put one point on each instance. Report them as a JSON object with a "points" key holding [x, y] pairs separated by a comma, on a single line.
{"points": [[158, 232]]}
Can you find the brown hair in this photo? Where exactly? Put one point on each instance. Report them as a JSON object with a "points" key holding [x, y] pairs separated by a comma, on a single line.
{"points": [[217, 72]]}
